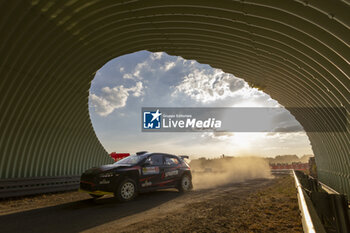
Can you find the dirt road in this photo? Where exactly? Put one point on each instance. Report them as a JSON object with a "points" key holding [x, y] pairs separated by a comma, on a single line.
{"points": [[260, 205]]}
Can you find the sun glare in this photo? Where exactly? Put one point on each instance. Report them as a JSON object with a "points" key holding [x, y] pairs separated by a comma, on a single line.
{"points": [[248, 104]]}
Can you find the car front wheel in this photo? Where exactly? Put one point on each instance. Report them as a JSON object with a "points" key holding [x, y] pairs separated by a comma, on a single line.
{"points": [[126, 190]]}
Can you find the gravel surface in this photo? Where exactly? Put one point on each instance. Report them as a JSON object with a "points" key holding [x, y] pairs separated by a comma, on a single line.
{"points": [[259, 205]]}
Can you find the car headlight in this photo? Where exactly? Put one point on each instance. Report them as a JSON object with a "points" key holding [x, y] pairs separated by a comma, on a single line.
{"points": [[106, 175]]}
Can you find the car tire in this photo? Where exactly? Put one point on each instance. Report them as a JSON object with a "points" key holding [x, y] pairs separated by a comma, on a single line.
{"points": [[94, 196], [126, 190], [185, 184]]}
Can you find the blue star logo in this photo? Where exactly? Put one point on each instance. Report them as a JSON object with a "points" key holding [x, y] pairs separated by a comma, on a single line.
{"points": [[152, 120]]}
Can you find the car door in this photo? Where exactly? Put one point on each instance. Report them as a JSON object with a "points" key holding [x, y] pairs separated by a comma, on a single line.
{"points": [[171, 170], [151, 171]]}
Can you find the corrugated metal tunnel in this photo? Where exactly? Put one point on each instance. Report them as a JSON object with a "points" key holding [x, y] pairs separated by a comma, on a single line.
{"points": [[296, 51]]}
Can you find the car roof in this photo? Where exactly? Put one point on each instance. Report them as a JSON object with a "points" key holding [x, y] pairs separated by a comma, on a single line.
{"points": [[171, 155]]}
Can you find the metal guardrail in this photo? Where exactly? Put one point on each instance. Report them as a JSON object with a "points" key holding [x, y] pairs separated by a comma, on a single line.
{"points": [[37, 185], [281, 171], [308, 225], [327, 188], [328, 210]]}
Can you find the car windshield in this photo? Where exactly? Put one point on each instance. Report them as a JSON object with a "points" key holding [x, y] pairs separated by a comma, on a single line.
{"points": [[132, 159]]}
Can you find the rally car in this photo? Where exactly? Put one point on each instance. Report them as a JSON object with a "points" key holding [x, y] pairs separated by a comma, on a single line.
{"points": [[137, 173]]}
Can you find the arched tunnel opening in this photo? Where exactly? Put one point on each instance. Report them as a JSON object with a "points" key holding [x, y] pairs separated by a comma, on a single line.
{"points": [[295, 51], [125, 84]]}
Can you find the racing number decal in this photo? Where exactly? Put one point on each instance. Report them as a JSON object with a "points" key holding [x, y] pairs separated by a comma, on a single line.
{"points": [[171, 173], [150, 170]]}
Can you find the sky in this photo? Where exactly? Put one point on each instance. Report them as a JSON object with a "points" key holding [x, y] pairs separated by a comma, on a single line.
{"points": [[143, 79]]}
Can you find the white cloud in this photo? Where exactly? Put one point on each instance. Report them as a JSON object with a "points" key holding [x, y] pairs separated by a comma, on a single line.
{"points": [[113, 98], [168, 66], [137, 90], [207, 85], [140, 67], [153, 66], [121, 69], [156, 56], [128, 76], [101, 105], [215, 136], [235, 84]]}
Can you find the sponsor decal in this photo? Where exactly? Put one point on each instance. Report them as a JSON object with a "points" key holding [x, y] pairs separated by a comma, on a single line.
{"points": [[150, 170], [104, 181], [146, 184], [106, 175], [171, 173]]}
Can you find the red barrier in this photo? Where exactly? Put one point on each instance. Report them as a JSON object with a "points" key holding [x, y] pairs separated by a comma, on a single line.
{"points": [[118, 156], [294, 166]]}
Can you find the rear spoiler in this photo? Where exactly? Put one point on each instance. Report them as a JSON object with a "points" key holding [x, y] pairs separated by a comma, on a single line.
{"points": [[141, 152], [184, 157]]}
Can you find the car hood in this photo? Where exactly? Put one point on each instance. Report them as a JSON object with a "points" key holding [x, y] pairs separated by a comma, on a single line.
{"points": [[103, 168]]}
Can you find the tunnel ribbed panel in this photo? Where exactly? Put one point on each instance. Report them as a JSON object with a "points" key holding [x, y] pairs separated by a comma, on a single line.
{"points": [[296, 51]]}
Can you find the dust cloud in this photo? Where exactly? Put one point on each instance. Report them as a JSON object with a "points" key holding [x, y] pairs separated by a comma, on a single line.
{"points": [[217, 172]]}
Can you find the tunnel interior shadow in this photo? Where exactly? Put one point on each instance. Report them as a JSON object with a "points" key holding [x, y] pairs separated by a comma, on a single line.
{"points": [[81, 215]]}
